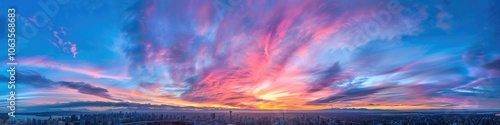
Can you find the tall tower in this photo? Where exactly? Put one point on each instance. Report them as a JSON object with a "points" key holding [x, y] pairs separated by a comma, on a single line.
{"points": [[230, 117], [284, 118]]}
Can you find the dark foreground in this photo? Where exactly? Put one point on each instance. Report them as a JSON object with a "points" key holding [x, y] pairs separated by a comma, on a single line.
{"points": [[262, 118]]}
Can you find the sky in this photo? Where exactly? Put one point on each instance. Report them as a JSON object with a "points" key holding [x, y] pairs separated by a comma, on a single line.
{"points": [[256, 55]]}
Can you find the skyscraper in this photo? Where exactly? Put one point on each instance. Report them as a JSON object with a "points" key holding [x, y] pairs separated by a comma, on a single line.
{"points": [[230, 117]]}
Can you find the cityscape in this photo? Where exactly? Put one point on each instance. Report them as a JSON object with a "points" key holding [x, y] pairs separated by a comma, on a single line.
{"points": [[269, 118]]}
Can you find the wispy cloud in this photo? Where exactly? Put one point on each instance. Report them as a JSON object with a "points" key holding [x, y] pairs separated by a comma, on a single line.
{"points": [[38, 81]]}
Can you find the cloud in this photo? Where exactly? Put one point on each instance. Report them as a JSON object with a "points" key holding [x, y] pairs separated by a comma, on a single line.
{"points": [[443, 17], [326, 78], [65, 46], [102, 104], [493, 65], [282, 53], [443, 104], [38, 81], [226, 60], [86, 88], [349, 95], [438, 104], [44, 62], [73, 50], [4, 22]]}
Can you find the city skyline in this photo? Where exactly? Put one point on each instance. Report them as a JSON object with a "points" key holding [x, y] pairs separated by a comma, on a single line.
{"points": [[242, 118], [255, 55]]}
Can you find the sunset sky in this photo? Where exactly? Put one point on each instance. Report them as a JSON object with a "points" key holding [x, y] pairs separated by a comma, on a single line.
{"points": [[263, 54]]}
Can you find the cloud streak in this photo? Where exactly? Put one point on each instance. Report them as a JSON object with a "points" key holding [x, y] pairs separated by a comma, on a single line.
{"points": [[38, 81]]}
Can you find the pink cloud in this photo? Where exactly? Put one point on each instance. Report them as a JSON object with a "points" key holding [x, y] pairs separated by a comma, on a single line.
{"points": [[65, 46], [43, 62], [443, 18]]}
